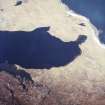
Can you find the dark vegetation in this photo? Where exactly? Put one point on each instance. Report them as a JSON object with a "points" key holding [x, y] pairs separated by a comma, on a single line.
{"points": [[18, 3], [16, 92], [1, 10], [82, 24], [18, 88], [37, 49]]}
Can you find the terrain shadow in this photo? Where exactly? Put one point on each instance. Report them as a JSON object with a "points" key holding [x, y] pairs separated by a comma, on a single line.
{"points": [[20, 73], [37, 49]]}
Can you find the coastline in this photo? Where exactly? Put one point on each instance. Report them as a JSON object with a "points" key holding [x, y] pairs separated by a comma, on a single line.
{"points": [[96, 32]]}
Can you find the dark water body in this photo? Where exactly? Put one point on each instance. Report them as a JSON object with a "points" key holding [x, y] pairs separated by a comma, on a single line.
{"points": [[38, 48], [93, 9]]}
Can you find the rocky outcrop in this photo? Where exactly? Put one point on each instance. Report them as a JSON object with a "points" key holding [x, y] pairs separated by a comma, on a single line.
{"points": [[19, 89], [16, 92]]}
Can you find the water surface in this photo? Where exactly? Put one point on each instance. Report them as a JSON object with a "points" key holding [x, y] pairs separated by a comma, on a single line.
{"points": [[93, 9], [38, 49]]}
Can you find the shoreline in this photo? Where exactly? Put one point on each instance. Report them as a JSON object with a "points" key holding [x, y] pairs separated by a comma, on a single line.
{"points": [[96, 31]]}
